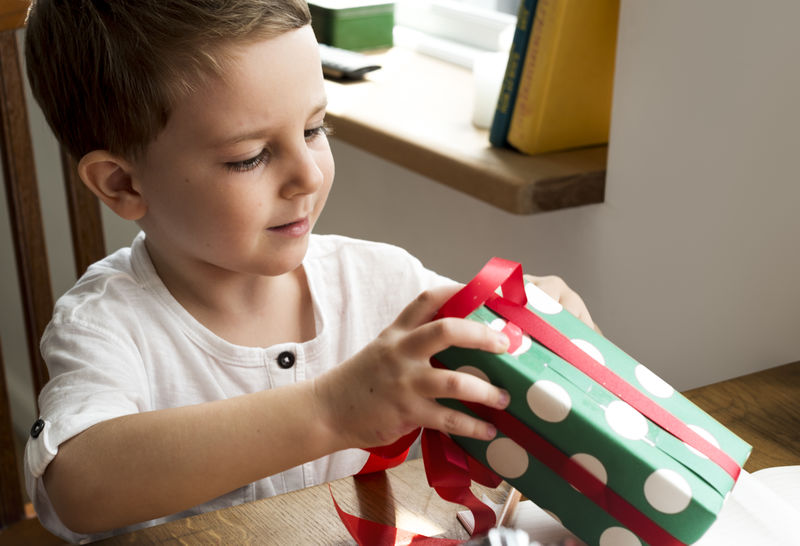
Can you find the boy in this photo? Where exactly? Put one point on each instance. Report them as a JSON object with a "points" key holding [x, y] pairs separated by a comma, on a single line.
{"points": [[228, 354]]}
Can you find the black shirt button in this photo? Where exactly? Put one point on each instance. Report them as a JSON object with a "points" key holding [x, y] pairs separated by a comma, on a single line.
{"points": [[37, 428], [286, 360]]}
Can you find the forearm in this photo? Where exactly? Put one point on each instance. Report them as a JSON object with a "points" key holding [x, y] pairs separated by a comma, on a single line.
{"points": [[152, 464]]}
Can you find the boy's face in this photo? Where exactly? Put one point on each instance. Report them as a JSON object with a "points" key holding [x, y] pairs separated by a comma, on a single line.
{"points": [[241, 172]]}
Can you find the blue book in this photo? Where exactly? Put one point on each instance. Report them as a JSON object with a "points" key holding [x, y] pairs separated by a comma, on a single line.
{"points": [[508, 92]]}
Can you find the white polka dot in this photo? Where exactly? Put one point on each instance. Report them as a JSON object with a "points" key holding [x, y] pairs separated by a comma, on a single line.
{"points": [[507, 458], [667, 491], [626, 421], [592, 464], [472, 370], [590, 350], [618, 536], [525, 344], [652, 383], [549, 401], [497, 324], [706, 435], [541, 301]]}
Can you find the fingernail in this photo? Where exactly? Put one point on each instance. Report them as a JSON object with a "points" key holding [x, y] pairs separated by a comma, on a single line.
{"points": [[505, 398], [491, 432], [502, 341]]}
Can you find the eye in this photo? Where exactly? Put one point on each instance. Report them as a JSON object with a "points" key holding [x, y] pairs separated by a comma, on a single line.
{"points": [[248, 164], [322, 130]]}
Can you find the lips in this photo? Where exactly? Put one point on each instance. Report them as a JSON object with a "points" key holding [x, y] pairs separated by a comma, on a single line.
{"points": [[297, 228]]}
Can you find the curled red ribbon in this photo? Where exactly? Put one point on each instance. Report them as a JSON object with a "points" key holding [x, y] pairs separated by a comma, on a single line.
{"points": [[370, 533], [450, 471]]}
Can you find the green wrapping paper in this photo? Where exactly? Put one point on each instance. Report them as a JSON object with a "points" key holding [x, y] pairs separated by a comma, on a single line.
{"points": [[675, 486]]}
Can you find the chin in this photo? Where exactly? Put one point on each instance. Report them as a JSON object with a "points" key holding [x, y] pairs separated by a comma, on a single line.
{"points": [[285, 261]]}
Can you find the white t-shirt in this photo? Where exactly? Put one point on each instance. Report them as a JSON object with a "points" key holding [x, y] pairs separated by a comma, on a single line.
{"points": [[119, 343]]}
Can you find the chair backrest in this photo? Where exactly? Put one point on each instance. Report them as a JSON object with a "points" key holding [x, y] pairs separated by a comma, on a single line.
{"points": [[25, 216]]}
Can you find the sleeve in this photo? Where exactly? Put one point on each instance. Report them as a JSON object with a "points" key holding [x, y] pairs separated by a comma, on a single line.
{"points": [[95, 375]]}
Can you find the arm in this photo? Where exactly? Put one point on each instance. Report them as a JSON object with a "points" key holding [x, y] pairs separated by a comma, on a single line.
{"points": [[138, 467], [147, 465]]}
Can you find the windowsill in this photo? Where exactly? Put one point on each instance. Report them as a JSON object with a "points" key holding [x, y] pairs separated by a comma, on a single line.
{"points": [[416, 112]]}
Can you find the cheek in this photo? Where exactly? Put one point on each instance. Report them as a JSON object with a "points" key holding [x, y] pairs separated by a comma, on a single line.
{"points": [[326, 164], [328, 173], [191, 201]]}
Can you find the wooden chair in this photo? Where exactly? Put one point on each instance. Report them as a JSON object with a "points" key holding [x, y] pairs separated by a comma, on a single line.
{"points": [[25, 217]]}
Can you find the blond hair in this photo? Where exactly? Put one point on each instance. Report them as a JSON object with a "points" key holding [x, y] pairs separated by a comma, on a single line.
{"points": [[107, 73]]}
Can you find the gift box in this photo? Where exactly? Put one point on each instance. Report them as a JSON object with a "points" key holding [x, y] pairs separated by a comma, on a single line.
{"points": [[615, 469], [353, 24]]}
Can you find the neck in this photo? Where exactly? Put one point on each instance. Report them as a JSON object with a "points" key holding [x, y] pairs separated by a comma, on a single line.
{"points": [[244, 309]]}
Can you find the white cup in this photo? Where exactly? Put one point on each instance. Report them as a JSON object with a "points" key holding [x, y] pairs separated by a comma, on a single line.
{"points": [[488, 70]]}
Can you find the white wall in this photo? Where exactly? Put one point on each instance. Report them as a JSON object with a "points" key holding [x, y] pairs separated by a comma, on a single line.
{"points": [[691, 263]]}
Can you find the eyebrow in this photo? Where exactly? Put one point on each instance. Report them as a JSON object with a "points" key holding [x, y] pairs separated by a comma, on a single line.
{"points": [[260, 132]]}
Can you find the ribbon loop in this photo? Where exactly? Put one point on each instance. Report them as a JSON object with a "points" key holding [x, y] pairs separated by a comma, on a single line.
{"points": [[497, 273]]}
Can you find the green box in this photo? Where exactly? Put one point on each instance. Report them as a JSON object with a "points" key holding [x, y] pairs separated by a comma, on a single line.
{"points": [[353, 24], [674, 486]]}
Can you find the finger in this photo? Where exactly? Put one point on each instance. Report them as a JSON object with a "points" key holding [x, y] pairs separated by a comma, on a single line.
{"points": [[556, 288], [553, 286], [439, 383], [433, 337], [574, 304], [425, 306], [450, 421]]}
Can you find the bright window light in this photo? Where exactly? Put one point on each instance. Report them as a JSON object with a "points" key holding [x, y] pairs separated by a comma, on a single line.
{"points": [[455, 30]]}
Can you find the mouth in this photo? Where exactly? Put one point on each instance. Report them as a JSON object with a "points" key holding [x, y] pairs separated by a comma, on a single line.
{"points": [[296, 228]]}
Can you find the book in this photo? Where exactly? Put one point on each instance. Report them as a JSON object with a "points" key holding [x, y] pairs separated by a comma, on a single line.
{"points": [[763, 508], [498, 131], [565, 89]]}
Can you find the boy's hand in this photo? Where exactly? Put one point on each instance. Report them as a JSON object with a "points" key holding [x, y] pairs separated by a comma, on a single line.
{"points": [[557, 289], [389, 388]]}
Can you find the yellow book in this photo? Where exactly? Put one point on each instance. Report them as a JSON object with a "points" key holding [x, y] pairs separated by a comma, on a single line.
{"points": [[564, 96]]}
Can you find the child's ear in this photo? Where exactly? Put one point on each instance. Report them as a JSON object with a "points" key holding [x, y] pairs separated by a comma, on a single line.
{"points": [[109, 178]]}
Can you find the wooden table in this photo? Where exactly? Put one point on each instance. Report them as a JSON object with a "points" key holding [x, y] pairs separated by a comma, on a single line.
{"points": [[763, 408]]}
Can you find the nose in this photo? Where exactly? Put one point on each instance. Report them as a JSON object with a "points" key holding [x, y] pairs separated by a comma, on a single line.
{"points": [[302, 174]]}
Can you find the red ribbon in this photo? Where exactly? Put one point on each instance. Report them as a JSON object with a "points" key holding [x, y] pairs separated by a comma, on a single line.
{"points": [[370, 533], [383, 457], [577, 476], [450, 471]]}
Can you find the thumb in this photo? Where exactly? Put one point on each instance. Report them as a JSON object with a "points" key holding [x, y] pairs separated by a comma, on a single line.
{"points": [[425, 306]]}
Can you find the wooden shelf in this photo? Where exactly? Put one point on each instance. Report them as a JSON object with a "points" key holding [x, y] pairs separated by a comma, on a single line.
{"points": [[416, 112]]}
